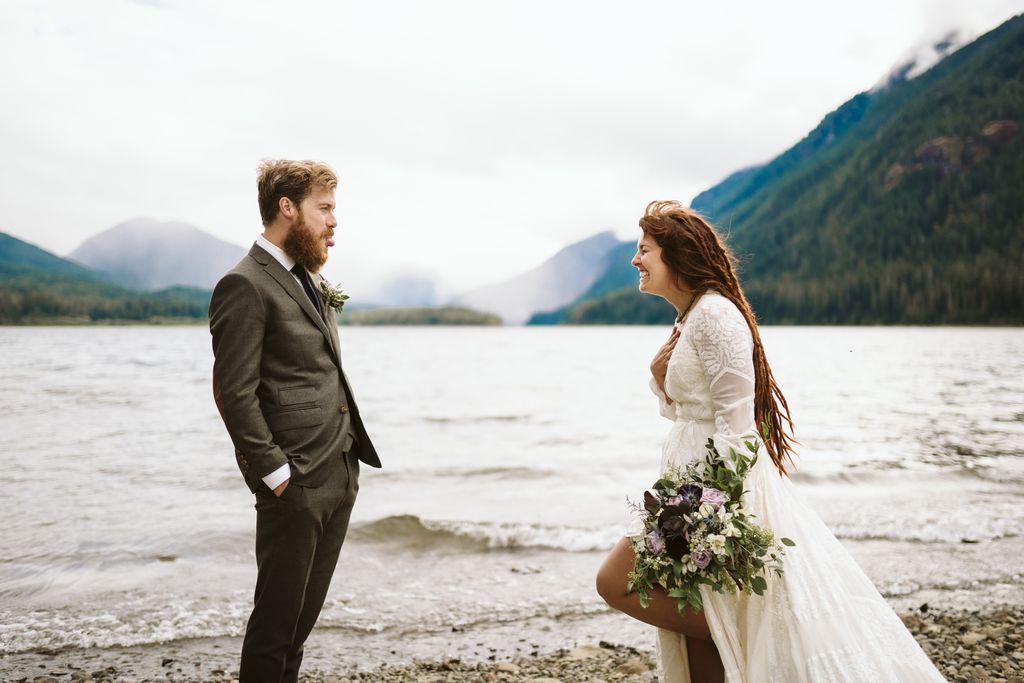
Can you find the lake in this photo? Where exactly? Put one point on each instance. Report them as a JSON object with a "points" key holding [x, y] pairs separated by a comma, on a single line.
{"points": [[508, 456]]}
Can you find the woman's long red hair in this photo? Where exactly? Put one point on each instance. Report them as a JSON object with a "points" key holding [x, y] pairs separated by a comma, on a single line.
{"points": [[701, 261]]}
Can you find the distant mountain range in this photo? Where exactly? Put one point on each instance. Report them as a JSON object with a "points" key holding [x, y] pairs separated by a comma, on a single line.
{"points": [[37, 286], [18, 258], [902, 206], [558, 281], [408, 289], [148, 254]]}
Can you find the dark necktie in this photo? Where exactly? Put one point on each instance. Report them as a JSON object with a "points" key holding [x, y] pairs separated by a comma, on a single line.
{"points": [[307, 284]]}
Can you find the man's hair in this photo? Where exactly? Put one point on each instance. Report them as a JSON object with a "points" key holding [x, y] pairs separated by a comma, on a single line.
{"points": [[292, 179]]}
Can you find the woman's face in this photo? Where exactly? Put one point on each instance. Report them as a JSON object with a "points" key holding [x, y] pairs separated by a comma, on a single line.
{"points": [[655, 276]]}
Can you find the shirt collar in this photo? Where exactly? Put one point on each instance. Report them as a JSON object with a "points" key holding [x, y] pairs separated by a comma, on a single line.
{"points": [[277, 252]]}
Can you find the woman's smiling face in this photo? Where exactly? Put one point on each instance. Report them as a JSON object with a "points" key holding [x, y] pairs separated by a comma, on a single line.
{"points": [[655, 276]]}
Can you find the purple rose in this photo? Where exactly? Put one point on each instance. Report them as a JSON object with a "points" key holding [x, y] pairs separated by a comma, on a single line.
{"points": [[701, 558], [655, 542], [713, 497]]}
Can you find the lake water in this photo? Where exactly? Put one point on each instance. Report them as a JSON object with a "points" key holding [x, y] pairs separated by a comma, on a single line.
{"points": [[508, 454]]}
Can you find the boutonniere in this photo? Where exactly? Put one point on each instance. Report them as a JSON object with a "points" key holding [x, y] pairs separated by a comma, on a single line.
{"points": [[334, 297]]}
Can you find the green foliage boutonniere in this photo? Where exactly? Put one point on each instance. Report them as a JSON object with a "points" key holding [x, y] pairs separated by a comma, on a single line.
{"points": [[334, 297]]}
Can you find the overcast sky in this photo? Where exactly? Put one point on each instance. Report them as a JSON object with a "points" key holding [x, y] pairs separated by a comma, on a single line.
{"points": [[472, 138]]}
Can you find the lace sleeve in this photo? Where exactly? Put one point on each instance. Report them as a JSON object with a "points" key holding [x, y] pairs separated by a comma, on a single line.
{"points": [[665, 406], [719, 334]]}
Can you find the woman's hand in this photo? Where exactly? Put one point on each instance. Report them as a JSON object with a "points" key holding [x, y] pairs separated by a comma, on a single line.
{"points": [[659, 366]]}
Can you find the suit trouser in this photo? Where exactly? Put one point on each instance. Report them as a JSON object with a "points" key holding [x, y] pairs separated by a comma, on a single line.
{"points": [[298, 540]]}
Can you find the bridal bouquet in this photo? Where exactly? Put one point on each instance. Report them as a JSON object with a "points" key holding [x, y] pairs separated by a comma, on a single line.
{"points": [[696, 532]]}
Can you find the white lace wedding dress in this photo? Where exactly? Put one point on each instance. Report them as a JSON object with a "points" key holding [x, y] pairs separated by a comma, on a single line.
{"points": [[823, 620]]}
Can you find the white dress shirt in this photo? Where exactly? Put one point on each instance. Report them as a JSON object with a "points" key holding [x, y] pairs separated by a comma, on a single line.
{"points": [[282, 473]]}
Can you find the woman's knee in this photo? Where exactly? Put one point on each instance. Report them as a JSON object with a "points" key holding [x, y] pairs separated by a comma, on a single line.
{"points": [[611, 584], [613, 577]]}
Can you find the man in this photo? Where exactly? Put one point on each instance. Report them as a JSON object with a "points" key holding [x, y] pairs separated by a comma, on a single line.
{"points": [[284, 398]]}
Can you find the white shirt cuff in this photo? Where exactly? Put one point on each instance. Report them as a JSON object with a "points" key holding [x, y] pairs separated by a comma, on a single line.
{"points": [[278, 476]]}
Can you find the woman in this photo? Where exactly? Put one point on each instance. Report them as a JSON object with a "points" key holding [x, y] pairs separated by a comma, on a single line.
{"points": [[823, 620]]}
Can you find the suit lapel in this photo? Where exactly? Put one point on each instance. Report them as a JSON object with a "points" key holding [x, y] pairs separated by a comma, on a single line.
{"points": [[292, 287], [332, 321]]}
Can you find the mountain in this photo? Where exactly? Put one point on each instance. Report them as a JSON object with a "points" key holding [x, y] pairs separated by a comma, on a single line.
{"points": [[148, 254], [617, 272], [21, 258], [408, 289], [39, 287], [556, 282], [902, 206]]}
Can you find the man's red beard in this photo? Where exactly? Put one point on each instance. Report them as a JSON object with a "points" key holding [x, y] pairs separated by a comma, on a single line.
{"points": [[307, 249]]}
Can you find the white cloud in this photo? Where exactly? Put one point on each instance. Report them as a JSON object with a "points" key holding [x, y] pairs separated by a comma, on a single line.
{"points": [[473, 139]]}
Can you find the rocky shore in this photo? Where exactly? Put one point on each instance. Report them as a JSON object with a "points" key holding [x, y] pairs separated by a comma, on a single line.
{"points": [[970, 647]]}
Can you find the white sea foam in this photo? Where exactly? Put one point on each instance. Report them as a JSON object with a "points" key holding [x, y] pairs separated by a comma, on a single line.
{"points": [[455, 535]]}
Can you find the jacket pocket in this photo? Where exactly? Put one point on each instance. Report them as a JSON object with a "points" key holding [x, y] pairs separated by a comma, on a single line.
{"points": [[294, 419], [290, 396]]}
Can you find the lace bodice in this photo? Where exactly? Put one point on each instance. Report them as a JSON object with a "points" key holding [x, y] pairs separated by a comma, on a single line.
{"points": [[710, 375]]}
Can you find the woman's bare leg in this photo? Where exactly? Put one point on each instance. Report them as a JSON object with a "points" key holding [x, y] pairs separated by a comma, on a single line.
{"points": [[612, 578], [705, 664]]}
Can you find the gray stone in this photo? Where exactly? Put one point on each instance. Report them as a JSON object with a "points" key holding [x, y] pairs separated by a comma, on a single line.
{"points": [[969, 639], [586, 652], [633, 666]]}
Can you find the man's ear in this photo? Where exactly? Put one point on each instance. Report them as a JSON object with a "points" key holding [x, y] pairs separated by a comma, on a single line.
{"points": [[287, 207]]}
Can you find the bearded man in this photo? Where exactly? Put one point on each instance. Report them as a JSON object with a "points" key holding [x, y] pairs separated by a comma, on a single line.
{"points": [[288, 408]]}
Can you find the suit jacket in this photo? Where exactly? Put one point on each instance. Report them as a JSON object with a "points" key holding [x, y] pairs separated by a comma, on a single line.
{"points": [[277, 375]]}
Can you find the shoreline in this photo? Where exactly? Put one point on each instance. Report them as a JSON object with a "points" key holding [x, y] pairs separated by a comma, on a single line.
{"points": [[965, 646]]}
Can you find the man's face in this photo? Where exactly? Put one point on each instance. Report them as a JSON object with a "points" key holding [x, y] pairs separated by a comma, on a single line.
{"points": [[312, 231]]}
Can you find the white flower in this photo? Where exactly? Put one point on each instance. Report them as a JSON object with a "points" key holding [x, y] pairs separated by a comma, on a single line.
{"points": [[716, 542], [706, 510], [731, 531]]}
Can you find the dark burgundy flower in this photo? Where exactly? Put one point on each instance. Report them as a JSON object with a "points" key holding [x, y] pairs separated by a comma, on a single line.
{"points": [[671, 520], [691, 495], [675, 530], [677, 545]]}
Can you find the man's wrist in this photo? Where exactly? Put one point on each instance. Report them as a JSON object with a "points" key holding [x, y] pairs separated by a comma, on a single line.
{"points": [[277, 477]]}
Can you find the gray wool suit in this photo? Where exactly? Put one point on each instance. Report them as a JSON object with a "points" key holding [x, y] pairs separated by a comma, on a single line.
{"points": [[284, 398]]}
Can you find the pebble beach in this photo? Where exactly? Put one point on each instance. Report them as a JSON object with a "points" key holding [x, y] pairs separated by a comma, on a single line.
{"points": [[972, 647]]}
